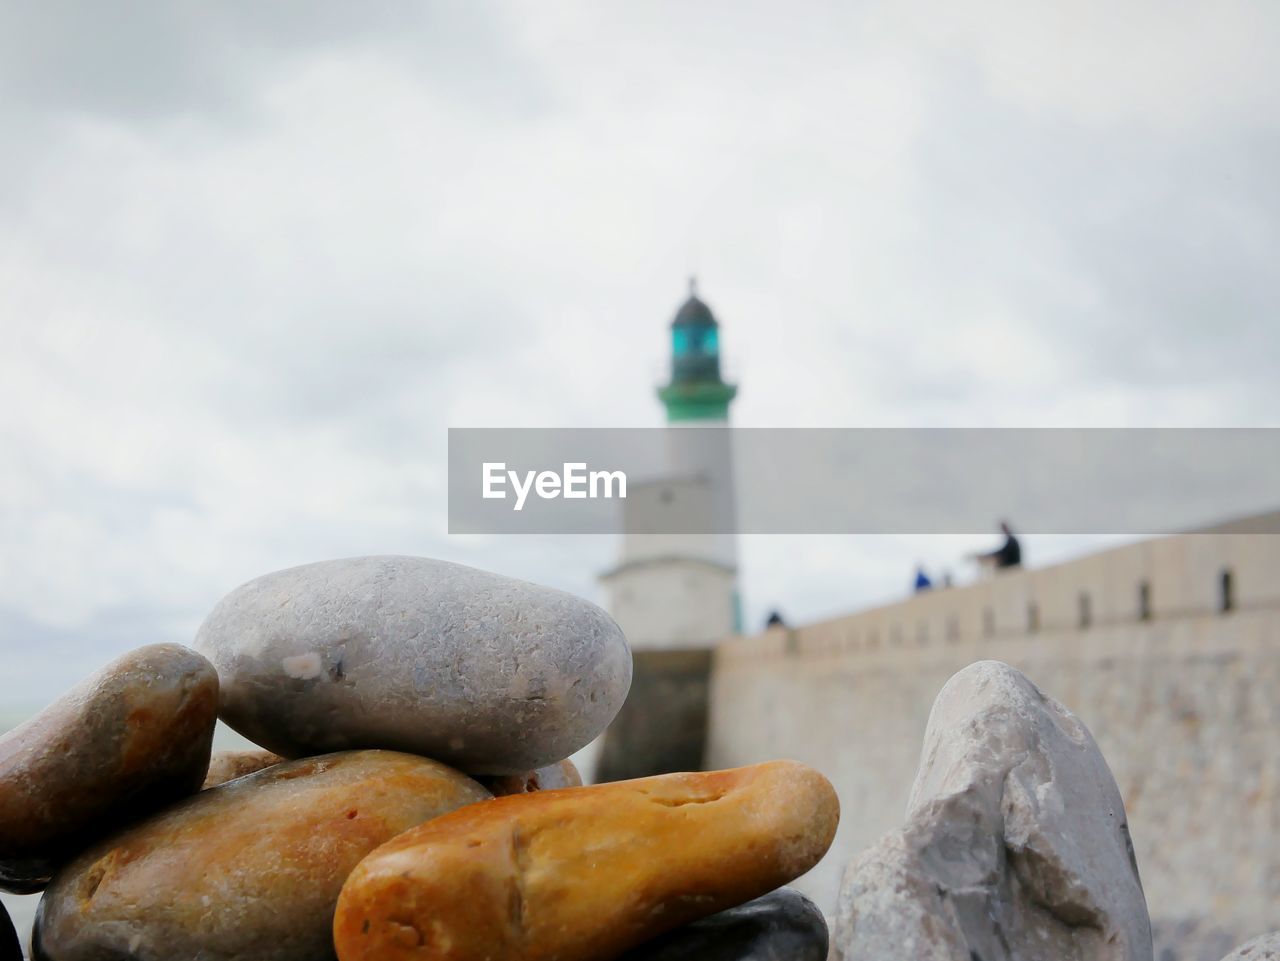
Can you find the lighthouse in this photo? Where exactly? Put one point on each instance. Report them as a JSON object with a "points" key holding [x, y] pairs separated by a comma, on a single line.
{"points": [[696, 391], [674, 588]]}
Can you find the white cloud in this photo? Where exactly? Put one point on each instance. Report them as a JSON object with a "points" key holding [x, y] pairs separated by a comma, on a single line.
{"points": [[1179, 66], [246, 296]]}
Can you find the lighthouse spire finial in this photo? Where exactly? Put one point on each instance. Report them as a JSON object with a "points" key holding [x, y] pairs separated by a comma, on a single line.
{"points": [[693, 285]]}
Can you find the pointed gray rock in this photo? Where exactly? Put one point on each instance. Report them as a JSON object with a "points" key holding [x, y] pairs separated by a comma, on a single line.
{"points": [[1265, 948], [1016, 845]]}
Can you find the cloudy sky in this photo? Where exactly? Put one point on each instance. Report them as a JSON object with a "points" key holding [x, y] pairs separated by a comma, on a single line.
{"points": [[256, 258]]}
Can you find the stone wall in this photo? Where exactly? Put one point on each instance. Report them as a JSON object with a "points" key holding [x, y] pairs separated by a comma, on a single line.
{"points": [[663, 725], [1182, 696]]}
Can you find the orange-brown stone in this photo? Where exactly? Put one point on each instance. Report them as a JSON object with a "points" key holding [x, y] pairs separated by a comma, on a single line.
{"points": [[226, 766], [585, 873], [130, 739], [249, 870], [549, 778]]}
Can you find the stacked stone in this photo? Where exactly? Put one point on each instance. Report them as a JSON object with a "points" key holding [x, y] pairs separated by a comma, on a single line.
{"points": [[412, 797]]}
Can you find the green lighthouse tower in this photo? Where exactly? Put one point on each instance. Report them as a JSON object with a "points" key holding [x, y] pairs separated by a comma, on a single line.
{"points": [[674, 588], [696, 391]]}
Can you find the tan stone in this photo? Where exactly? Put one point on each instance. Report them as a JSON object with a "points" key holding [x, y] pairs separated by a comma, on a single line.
{"points": [[549, 778], [249, 870], [583, 874], [226, 766], [126, 741]]}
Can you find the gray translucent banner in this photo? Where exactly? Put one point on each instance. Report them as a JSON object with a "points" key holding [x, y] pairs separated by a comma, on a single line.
{"points": [[723, 480]]}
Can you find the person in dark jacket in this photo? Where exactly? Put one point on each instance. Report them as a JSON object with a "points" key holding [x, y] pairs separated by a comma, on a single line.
{"points": [[1008, 554]]}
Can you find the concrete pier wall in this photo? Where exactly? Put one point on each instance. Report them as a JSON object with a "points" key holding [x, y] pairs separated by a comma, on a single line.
{"points": [[1169, 650]]}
